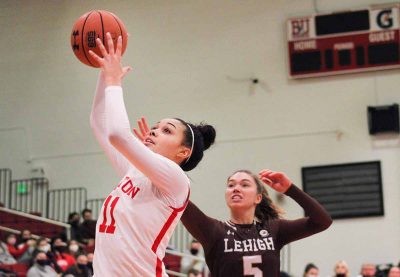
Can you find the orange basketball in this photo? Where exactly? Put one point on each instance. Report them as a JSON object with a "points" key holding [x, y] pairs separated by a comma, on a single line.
{"points": [[92, 25]]}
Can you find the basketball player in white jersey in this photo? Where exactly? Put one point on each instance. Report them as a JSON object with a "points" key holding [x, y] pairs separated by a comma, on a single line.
{"points": [[140, 214]]}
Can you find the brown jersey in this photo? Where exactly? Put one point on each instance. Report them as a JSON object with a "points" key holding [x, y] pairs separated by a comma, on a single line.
{"points": [[253, 249]]}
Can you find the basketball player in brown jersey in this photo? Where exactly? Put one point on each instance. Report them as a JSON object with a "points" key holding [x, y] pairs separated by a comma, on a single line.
{"points": [[248, 244]]}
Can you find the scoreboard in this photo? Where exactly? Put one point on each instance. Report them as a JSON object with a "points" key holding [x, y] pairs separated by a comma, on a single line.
{"points": [[344, 42]]}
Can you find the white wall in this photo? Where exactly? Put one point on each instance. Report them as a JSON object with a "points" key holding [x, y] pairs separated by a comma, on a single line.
{"points": [[182, 53]]}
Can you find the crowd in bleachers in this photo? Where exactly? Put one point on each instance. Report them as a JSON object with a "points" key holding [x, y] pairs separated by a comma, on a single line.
{"points": [[341, 269], [72, 256], [47, 257]]}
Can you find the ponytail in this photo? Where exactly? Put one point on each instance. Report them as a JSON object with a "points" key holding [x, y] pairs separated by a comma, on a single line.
{"points": [[198, 138]]}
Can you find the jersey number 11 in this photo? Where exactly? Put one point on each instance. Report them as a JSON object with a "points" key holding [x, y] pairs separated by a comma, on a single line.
{"points": [[103, 227]]}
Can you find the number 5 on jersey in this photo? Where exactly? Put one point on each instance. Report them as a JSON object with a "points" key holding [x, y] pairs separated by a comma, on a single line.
{"points": [[248, 266], [103, 227]]}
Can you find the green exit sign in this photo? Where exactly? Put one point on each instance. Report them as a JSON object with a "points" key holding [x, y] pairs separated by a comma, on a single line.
{"points": [[22, 188]]}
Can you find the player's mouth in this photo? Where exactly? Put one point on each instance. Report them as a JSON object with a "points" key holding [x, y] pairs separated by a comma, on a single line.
{"points": [[149, 141], [236, 197]]}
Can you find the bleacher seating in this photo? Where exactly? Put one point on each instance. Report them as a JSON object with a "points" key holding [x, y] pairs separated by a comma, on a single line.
{"points": [[19, 269], [35, 224]]}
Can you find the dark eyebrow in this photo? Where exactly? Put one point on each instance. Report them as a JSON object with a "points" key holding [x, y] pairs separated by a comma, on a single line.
{"points": [[172, 124], [248, 180]]}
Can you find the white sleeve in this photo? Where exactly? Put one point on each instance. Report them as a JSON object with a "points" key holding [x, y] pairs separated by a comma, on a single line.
{"points": [[98, 125], [165, 174]]}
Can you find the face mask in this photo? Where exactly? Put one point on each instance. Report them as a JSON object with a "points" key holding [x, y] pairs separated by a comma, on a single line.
{"points": [[42, 262], [44, 248], [82, 267], [90, 265], [311, 275], [194, 251], [12, 241], [74, 248], [60, 248]]}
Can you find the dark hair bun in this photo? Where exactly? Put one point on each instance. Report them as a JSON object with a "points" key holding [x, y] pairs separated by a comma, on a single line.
{"points": [[208, 132]]}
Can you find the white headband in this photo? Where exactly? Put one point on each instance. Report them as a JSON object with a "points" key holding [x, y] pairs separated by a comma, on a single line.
{"points": [[191, 149]]}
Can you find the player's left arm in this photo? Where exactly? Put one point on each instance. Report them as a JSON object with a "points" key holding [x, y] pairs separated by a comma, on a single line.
{"points": [[316, 219]]}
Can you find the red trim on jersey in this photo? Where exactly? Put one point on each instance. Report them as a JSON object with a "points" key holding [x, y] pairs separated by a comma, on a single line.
{"points": [[164, 230], [103, 225]]}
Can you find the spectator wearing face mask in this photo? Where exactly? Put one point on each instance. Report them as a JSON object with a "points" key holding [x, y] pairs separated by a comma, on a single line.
{"points": [[23, 253], [367, 270], [80, 269], [24, 237], [341, 269], [17, 252], [311, 270], [74, 220], [74, 249], [60, 255], [43, 245], [90, 263], [188, 263], [41, 267]]}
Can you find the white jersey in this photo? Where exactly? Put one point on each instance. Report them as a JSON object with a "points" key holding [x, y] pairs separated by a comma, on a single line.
{"points": [[138, 217]]}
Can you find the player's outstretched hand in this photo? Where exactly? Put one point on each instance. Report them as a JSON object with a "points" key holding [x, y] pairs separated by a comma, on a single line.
{"points": [[276, 180], [143, 129], [110, 63]]}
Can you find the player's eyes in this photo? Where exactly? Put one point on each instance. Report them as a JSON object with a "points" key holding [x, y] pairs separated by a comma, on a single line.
{"points": [[167, 130]]}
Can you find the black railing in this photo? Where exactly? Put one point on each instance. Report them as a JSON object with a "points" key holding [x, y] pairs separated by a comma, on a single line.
{"points": [[29, 195], [5, 189], [95, 205], [62, 202]]}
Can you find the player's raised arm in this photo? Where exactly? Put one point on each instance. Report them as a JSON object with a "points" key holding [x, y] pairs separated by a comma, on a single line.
{"points": [[317, 218], [98, 125], [169, 147]]}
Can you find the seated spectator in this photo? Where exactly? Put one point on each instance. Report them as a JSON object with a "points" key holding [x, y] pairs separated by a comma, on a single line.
{"points": [[43, 245], [87, 229], [24, 252], [41, 267], [90, 262], [74, 248], [5, 256], [24, 237], [311, 270], [367, 270], [74, 220], [194, 273], [341, 269], [11, 241], [80, 269], [60, 256], [382, 270], [394, 272], [188, 263]]}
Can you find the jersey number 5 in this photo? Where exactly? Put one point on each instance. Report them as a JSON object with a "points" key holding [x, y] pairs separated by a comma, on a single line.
{"points": [[104, 228], [248, 266]]}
